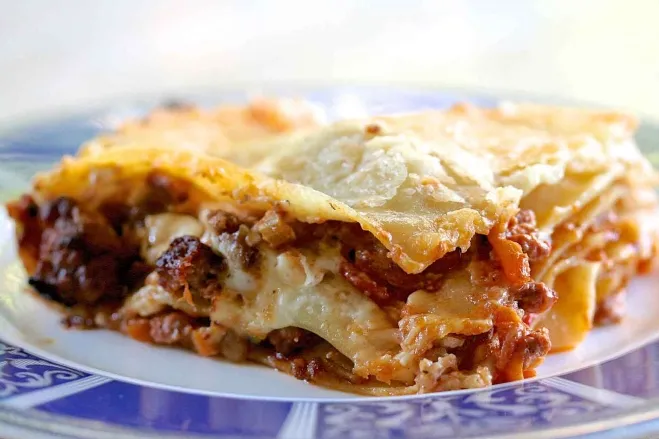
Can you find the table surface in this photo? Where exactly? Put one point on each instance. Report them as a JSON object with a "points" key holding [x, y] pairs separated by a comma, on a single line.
{"points": [[62, 54]]}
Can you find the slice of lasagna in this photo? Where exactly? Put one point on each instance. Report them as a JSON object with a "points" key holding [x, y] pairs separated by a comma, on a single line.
{"points": [[395, 255]]}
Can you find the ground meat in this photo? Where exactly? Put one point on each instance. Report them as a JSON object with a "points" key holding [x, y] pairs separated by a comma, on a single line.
{"points": [[305, 369], [167, 189], [307, 233], [189, 265], [379, 293], [287, 341], [81, 259], [174, 328], [274, 229], [238, 247], [375, 260], [137, 273], [105, 314], [368, 267], [515, 348], [533, 348], [69, 279], [223, 222], [117, 214], [535, 297], [472, 351], [75, 255], [160, 194], [298, 366], [522, 230]]}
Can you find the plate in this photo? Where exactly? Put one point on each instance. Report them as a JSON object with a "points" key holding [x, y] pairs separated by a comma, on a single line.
{"points": [[76, 384]]}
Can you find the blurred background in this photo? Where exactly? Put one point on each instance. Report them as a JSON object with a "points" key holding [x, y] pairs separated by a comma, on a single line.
{"points": [[59, 54]]}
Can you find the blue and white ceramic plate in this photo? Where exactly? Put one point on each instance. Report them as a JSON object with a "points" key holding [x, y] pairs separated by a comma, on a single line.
{"points": [[70, 384]]}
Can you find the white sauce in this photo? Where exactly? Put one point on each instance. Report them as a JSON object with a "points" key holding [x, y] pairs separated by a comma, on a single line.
{"points": [[163, 228]]}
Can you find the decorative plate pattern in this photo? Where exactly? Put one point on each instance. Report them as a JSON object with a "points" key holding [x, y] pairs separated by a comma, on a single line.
{"points": [[41, 398], [22, 373], [29, 383]]}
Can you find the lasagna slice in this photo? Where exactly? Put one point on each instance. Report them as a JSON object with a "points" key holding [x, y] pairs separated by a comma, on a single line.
{"points": [[396, 255], [233, 132]]}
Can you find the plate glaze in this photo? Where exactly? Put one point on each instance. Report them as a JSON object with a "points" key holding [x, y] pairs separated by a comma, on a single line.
{"points": [[101, 384]]}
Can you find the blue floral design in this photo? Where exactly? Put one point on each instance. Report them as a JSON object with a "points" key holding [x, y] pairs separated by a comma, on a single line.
{"points": [[508, 409], [21, 372]]}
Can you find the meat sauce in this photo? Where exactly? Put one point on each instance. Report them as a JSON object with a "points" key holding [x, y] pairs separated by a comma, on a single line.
{"points": [[80, 257], [189, 265], [89, 261], [368, 268]]}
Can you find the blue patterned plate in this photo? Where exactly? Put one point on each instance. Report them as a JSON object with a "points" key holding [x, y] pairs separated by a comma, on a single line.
{"points": [[69, 384]]}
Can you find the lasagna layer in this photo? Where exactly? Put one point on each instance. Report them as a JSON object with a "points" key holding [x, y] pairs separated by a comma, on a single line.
{"points": [[394, 255], [322, 301]]}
